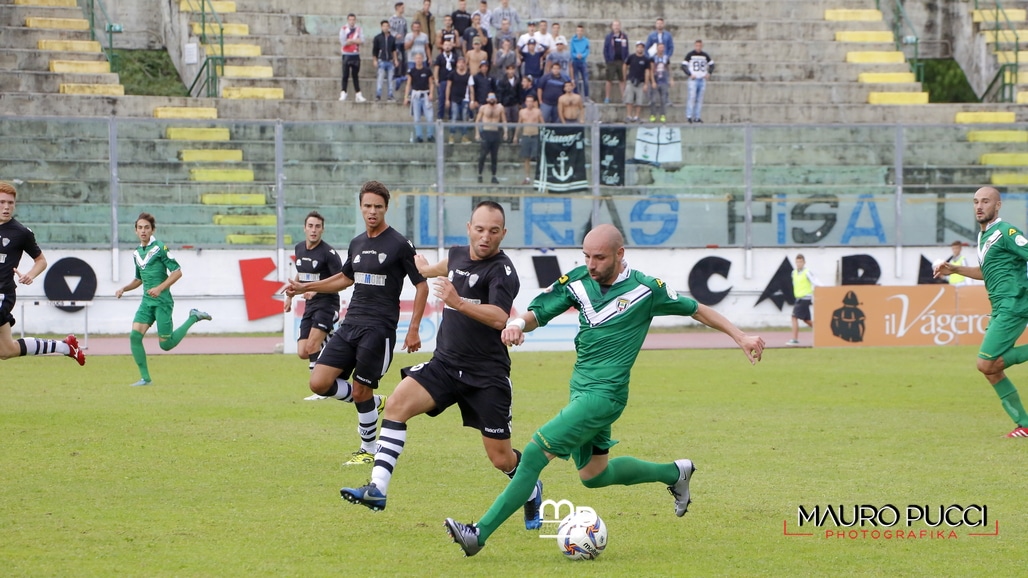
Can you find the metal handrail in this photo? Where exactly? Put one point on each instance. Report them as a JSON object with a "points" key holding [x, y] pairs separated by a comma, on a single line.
{"points": [[1006, 80], [900, 20], [110, 29], [207, 76], [206, 81]]}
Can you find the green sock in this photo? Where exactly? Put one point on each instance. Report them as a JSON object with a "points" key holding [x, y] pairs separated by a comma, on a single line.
{"points": [[176, 336], [1011, 401], [627, 471], [516, 493], [1015, 355], [139, 354]]}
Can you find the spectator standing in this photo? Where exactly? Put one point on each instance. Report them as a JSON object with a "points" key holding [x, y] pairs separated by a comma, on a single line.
{"points": [[570, 106], [508, 91], [803, 283], [659, 36], [524, 38], [483, 86], [417, 42], [544, 40], [398, 25], [421, 87], [485, 15], [490, 130], [531, 60], [445, 62], [505, 56], [580, 61], [477, 32], [660, 70], [505, 12], [476, 56], [550, 89], [427, 20], [458, 100], [956, 260], [448, 32], [351, 37], [383, 49], [528, 88], [504, 33], [639, 76], [615, 53], [461, 17], [529, 119], [699, 66], [560, 55]]}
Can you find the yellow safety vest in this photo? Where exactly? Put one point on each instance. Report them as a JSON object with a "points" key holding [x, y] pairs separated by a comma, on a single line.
{"points": [[801, 285], [955, 279]]}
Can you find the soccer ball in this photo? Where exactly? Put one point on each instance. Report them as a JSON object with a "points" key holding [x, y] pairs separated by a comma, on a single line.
{"points": [[582, 535]]}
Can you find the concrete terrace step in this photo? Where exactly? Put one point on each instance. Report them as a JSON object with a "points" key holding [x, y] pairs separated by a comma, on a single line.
{"points": [[18, 15], [30, 104], [39, 60], [49, 82], [20, 37]]}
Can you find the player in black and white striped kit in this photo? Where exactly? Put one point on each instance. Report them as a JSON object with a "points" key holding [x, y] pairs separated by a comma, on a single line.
{"points": [[17, 240], [362, 347], [315, 260]]}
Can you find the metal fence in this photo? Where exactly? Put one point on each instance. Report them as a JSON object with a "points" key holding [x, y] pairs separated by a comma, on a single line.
{"points": [[216, 183]]}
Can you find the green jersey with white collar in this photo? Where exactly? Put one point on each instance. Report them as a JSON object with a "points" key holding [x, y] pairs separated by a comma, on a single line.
{"points": [[153, 263], [613, 322]]}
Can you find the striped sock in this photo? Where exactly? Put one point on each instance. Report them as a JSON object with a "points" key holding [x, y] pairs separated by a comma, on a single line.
{"points": [[367, 424], [35, 346], [390, 446]]}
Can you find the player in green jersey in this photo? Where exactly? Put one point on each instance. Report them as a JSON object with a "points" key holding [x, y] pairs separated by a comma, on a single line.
{"points": [[1002, 254], [156, 271], [615, 307]]}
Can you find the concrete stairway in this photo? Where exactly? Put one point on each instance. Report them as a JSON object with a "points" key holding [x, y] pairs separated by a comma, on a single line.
{"points": [[1006, 46], [45, 48]]}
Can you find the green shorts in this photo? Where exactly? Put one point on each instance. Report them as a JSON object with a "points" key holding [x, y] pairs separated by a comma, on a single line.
{"points": [[1003, 331], [151, 310], [582, 425]]}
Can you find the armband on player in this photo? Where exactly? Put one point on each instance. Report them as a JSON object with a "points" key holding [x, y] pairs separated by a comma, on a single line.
{"points": [[516, 322]]}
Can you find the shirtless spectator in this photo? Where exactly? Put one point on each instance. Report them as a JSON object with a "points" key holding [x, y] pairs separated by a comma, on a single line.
{"points": [[570, 105], [527, 135], [476, 56], [490, 130]]}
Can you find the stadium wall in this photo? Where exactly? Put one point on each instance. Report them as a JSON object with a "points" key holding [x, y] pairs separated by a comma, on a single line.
{"points": [[240, 288]]}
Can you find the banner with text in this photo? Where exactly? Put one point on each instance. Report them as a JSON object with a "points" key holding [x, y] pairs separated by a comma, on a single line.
{"points": [[873, 315], [562, 162]]}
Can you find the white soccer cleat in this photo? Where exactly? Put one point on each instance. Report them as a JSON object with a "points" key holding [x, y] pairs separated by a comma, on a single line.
{"points": [[680, 489]]}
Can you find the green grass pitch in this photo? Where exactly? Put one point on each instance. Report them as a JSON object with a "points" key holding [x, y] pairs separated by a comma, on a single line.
{"points": [[221, 469]]}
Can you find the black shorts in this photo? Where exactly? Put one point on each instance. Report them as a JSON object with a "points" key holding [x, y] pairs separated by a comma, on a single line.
{"points": [[6, 307], [322, 318], [484, 401], [366, 352], [801, 310]]}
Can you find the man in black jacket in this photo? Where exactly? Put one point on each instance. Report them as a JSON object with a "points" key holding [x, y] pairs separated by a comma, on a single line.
{"points": [[383, 49], [508, 91]]}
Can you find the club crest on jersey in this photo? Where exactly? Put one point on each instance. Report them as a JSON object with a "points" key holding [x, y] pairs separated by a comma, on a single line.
{"points": [[472, 279], [6, 242], [314, 263], [382, 257], [622, 304]]}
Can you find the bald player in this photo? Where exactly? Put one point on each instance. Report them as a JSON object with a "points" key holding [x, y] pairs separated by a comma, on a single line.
{"points": [[1003, 254], [616, 305]]}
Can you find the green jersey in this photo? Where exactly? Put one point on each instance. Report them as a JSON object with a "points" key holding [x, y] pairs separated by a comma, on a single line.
{"points": [[1003, 253], [612, 324], [153, 263]]}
